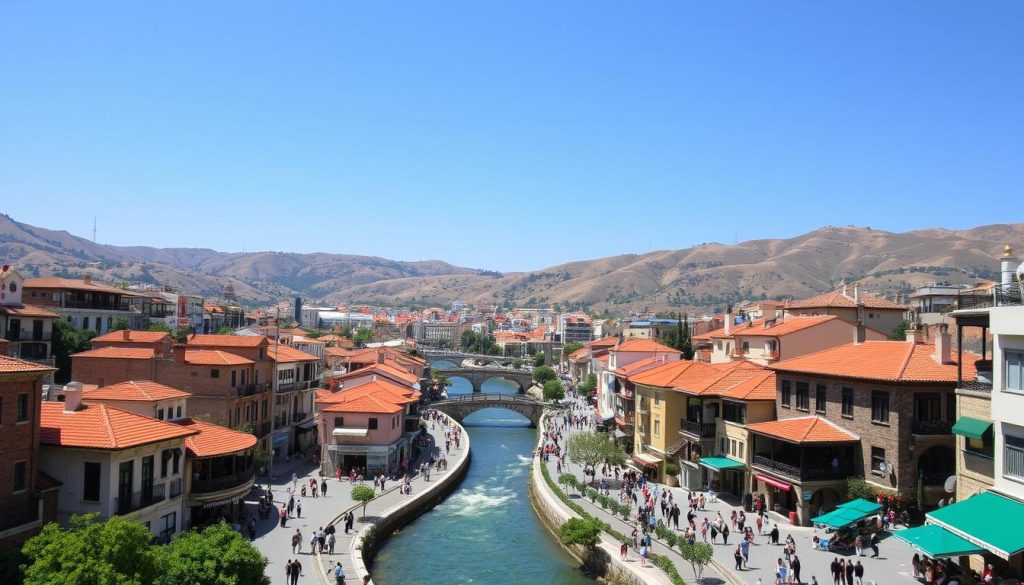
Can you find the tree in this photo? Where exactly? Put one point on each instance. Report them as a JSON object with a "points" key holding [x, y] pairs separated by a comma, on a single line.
{"points": [[584, 531], [362, 336], [570, 348], [538, 359], [686, 343], [553, 390], [66, 341], [590, 384], [543, 374], [120, 324], [180, 334], [363, 493], [899, 332], [216, 556], [439, 377], [225, 330], [92, 552], [517, 363], [590, 449], [155, 327], [697, 554], [567, 479]]}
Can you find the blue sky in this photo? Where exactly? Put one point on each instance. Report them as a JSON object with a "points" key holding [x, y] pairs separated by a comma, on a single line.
{"points": [[507, 135]]}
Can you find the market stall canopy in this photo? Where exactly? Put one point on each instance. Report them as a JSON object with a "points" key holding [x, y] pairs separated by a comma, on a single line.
{"points": [[861, 505], [721, 463], [937, 542], [840, 518], [988, 520]]}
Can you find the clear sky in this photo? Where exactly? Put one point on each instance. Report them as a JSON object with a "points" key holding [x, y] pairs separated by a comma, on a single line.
{"points": [[507, 135]]}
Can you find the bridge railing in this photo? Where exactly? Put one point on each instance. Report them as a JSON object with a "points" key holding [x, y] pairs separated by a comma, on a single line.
{"points": [[479, 397]]}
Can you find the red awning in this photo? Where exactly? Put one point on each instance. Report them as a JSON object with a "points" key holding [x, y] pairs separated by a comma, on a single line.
{"points": [[773, 482], [646, 460]]}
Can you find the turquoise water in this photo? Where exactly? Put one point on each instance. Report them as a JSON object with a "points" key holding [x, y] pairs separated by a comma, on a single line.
{"points": [[486, 532]]}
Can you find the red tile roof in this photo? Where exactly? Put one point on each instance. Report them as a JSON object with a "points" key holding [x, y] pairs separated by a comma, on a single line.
{"points": [[212, 340], [382, 369], [670, 375], [287, 354], [144, 390], [886, 361], [639, 366], [370, 404], [213, 357], [53, 282], [760, 386], [805, 429], [12, 365], [28, 311], [836, 299], [124, 353], [97, 426], [213, 440], [133, 336], [604, 342], [781, 327], [639, 344]]}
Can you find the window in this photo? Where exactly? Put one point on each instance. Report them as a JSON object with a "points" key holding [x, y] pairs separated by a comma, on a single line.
{"points": [[1014, 370], [723, 446], [741, 450], [820, 395], [734, 412], [165, 462], [159, 414], [786, 393], [91, 482], [732, 449], [110, 323], [879, 406], [372, 423], [657, 428], [215, 373], [85, 322], [23, 408], [339, 421], [802, 399], [984, 446], [264, 408], [877, 459], [20, 473], [178, 411], [848, 402], [167, 525], [657, 399], [1, 410], [234, 378], [176, 460], [1013, 456], [746, 347]]}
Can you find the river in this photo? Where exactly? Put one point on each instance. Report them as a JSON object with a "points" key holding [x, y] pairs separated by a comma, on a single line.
{"points": [[486, 532]]}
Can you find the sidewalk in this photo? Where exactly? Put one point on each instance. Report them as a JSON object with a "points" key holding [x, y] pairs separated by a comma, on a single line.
{"points": [[891, 567], [275, 542]]}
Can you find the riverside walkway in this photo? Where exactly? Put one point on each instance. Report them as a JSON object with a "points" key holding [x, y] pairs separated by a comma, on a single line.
{"points": [[892, 567], [275, 542]]}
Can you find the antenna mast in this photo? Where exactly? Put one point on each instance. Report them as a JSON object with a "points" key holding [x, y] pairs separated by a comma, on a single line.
{"points": [[94, 229]]}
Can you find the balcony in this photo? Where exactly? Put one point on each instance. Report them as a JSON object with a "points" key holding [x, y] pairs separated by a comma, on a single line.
{"points": [[795, 472], [1002, 295], [643, 407], [140, 499], [174, 488], [625, 394], [299, 416], [98, 306], [250, 389], [932, 427], [25, 335], [697, 429], [216, 484], [263, 429]]}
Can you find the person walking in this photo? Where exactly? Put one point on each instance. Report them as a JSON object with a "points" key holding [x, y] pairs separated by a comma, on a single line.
{"points": [[284, 515], [296, 541], [643, 555], [781, 573], [874, 545], [288, 568], [296, 571], [339, 574], [836, 571], [312, 543], [725, 535], [849, 572], [745, 551], [298, 509], [858, 573], [794, 566], [738, 555], [323, 487]]}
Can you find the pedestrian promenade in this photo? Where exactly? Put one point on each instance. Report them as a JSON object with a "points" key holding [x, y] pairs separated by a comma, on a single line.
{"points": [[275, 542], [892, 566]]}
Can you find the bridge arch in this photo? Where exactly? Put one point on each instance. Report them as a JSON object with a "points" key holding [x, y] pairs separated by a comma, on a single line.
{"points": [[459, 407], [477, 376]]}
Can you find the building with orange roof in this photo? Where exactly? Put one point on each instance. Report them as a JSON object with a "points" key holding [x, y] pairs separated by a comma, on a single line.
{"points": [[298, 375], [83, 303], [368, 427], [27, 329], [114, 462], [160, 342], [143, 397], [28, 497], [897, 397], [219, 473], [619, 356], [575, 328], [854, 306]]}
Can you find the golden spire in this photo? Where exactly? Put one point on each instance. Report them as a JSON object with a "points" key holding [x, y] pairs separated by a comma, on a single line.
{"points": [[1007, 251]]}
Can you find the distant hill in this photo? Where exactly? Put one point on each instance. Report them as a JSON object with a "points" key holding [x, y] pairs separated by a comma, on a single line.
{"points": [[701, 278]]}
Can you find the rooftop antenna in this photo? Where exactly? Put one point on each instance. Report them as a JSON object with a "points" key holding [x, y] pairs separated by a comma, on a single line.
{"points": [[94, 229]]}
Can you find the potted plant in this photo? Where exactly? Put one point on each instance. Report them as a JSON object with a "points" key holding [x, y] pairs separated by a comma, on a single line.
{"points": [[672, 474]]}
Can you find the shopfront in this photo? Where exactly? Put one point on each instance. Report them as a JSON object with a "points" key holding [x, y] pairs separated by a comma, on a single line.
{"points": [[723, 474]]}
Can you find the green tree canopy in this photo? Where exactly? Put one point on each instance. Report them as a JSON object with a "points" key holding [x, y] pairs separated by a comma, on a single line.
{"points": [[590, 384], [544, 373], [482, 343], [155, 327], [538, 359], [899, 333], [66, 341], [363, 493], [116, 551], [216, 556], [120, 324], [225, 330], [585, 531], [362, 336], [553, 390], [590, 449], [570, 348], [697, 554], [517, 363], [439, 377]]}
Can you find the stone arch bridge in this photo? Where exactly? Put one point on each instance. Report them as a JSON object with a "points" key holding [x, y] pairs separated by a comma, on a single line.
{"points": [[477, 376], [459, 407]]}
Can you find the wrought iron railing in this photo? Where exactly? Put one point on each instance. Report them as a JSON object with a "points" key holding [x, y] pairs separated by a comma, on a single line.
{"points": [[1001, 295], [697, 429], [932, 427], [140, 499], [223, 482]]}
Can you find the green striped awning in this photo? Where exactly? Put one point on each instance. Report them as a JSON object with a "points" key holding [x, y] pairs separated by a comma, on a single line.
{"points": [[937, 542], [721, 463], [971, 428]]}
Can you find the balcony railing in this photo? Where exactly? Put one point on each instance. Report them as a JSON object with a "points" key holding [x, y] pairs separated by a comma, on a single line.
{"points": [[111, 306], [932, 427], [140, 499], [263, 429], [794, 471], [174, 488], [298, 416], [697, 429], [1001, 295], [250, 389], [26, 335], [223, 482]]}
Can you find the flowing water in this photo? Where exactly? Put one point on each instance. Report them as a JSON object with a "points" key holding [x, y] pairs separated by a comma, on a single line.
{"points": [[486, 532]]}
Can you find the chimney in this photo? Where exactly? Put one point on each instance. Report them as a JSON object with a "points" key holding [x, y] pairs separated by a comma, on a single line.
{"points": [[727, 322], [844, 289], [126, 335], [915, 334], [943, 353], [856, 292], [1007, 265], [72, 396], [380, 357], [859, 333], [178, 353], [87, 279]]}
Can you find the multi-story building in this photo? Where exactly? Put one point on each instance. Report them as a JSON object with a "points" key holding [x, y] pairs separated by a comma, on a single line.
{"points": [[872, 311], [28, 329], [928, 303], [575, 328], [143, 397], [623, 354], [298, 375], [84, 304], [435, 332], [28, 496]]}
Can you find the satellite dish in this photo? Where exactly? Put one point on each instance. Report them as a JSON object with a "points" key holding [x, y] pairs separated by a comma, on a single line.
{"points": [[950, 485], [882, 466], [942, 503]]}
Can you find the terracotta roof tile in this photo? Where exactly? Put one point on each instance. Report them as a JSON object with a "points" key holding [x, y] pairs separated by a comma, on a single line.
{"points": [[286, 354], [133, 336], [213, 440], [837, 299], [643, 345], [887, 361], [12, 365], [673, 373], [604, 342], [640, 366], [805, 429], [756, 327], [124, 353], [213, 357], [97, 426], [54, 282], [369, 404], [760, 386], [144, 390], [382, 369], [28, 311], [212, 340]]}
